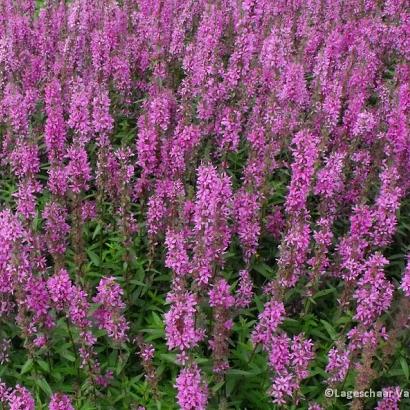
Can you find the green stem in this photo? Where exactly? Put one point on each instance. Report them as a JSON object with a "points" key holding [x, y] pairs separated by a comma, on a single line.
{"points": [[252, 355], [77, 359]]}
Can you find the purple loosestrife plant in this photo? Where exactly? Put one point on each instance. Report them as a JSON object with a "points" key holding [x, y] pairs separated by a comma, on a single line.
{"points": [[60, 402], [180, 322], [20, 398], [109, 311], [221, 300], [220, 187], [192, 393], [391, 399], [405, 282]]}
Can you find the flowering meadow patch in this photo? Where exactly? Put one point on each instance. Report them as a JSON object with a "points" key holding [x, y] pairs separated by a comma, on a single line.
{"points": [[204, 204]]}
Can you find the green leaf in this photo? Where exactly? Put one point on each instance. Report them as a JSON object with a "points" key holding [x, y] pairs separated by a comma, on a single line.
{"points": [[244, 372], [94, 257], [329, 328], [264, 270], [44, 365], [44, 386], [324, 292], [27, 366], [230, 385], [217, 387], [67, 355], [169, 357], [97, 230], [405, 367]]}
